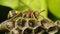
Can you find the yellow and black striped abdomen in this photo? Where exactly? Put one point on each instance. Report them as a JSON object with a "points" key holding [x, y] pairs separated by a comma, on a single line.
{"points": [[12, 13]]}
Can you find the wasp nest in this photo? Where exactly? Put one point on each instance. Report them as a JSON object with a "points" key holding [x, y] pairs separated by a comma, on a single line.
{"points": [[28, 23]]}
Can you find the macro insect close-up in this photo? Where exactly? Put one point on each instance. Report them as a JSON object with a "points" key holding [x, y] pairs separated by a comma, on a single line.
{"points": [[28, 23], [29, 17]]}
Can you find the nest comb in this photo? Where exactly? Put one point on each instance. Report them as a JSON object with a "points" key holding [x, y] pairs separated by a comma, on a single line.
{"points": [[28, 23]]}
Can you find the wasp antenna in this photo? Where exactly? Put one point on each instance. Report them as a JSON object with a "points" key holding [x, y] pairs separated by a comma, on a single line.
{"points": [[42, 16], [42, 11], [46, 18]]}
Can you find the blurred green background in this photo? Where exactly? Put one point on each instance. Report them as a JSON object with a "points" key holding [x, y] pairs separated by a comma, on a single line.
{"points": [[52, 7]]}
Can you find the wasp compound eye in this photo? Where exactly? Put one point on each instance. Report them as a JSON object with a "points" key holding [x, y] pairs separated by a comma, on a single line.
{"points": [[32, 23], [27, 31], [21, 23], [36, 14], [27, 15], [10, 25]]}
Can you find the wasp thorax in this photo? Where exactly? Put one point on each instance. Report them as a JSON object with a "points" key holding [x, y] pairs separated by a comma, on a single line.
{"points": [[29, 14]]}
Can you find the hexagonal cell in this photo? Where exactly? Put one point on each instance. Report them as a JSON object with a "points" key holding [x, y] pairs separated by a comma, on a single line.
{"points": [[44, 21], [38, 30], [10, 25], [52, 30], [21, 22], [32, 23], [28, 31], [58, 23], [45, 32], [16, 31], [46, 24]]}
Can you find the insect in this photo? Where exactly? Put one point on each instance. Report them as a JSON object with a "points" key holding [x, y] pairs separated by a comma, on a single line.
{"points": [[27, 23], [12, 13], [29, 13]]}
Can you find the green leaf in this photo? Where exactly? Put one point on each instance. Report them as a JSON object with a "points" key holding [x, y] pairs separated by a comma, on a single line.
{"points": [[38, 5], [9, 3], [21, 5], [54, 7]]}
